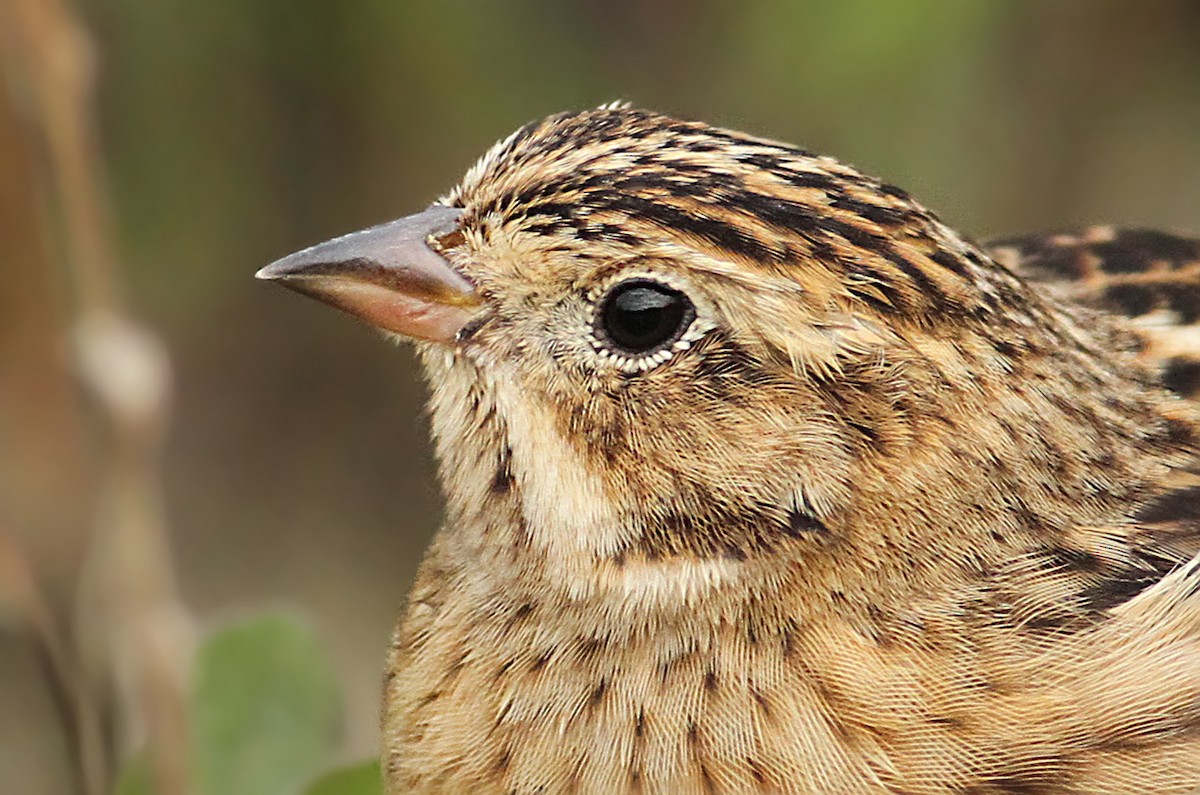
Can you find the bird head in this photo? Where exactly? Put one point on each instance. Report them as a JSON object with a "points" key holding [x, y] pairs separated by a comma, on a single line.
{"points": [[661, 354]]}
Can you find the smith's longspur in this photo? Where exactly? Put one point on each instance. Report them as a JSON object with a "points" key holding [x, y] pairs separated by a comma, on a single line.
{"points": [[759, 478]]}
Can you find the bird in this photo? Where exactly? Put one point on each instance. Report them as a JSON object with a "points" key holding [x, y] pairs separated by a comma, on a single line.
{"points": [[759, 478]]}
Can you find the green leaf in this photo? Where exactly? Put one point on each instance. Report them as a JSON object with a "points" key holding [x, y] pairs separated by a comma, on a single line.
{"points": [[265, 713], [134, 777], [361, 779]]}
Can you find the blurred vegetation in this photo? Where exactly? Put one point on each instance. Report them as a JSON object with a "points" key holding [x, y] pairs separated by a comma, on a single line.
{"points": [[296, 470], [265, 717]]}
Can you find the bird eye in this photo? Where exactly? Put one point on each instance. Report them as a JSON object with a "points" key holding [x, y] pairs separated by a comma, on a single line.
{"points": [[639, 315]]}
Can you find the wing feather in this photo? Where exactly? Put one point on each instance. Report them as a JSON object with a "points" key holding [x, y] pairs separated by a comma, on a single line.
{"points": [[1150, 277]]}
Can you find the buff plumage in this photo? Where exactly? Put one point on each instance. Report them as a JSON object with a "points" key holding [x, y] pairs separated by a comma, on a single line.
{"points": [[893, 513]]}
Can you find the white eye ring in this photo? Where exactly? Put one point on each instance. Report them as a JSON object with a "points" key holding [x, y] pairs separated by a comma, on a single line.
{"points": [[679, 330]]}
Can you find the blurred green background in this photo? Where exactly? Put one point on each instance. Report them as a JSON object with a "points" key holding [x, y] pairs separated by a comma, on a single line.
{"points": [[297, 469]]}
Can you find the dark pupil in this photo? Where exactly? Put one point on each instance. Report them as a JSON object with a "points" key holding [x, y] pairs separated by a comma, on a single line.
{"points": [[643, 315]]}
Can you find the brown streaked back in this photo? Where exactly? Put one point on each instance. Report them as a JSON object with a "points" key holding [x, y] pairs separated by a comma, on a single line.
{"points": [[1150, 277]]}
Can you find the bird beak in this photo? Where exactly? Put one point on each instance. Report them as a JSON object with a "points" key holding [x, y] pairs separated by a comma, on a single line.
{"points": [[388, 275]]}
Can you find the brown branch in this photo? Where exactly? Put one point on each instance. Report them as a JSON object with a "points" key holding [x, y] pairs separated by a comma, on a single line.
{"points": [[55, 57], [22, 604]]}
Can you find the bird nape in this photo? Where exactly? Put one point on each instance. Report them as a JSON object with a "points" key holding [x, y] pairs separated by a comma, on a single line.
{"points": [[759, 478]]}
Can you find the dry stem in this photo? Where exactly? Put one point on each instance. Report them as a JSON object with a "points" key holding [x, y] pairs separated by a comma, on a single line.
{"points": [[134, 635]]}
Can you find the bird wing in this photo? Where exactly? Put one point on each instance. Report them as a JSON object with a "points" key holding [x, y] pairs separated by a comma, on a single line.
{"points": [[1150, 277], [1153, 279]]}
